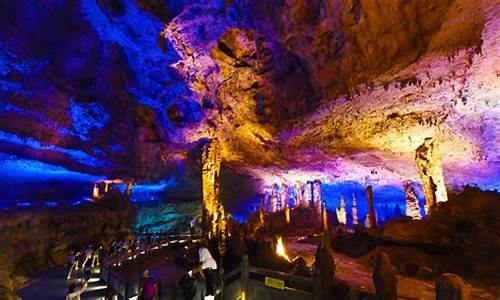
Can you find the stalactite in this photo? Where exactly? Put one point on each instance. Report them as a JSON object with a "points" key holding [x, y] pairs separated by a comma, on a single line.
{"points": [[412, 207], [371, 218], [341, 212], [317, 196], [354, 211], [274, 203], [430, 169], [211, 160]]}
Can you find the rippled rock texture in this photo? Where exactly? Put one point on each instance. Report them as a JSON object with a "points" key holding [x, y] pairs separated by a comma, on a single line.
{"points": [[332, 90]]}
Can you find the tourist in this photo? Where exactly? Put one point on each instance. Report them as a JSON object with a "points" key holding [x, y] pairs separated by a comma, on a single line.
{"points": [[70, 263], [75, 289], [87, 270], [209, 269], [148, 289], [88, 254], [96, 257]]}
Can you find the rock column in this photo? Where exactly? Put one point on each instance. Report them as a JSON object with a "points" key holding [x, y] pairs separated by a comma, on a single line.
{"points": [[430, 170], [371, 218], [308, 195], [284, 196], [274, 203], [412, 207], [317, 196], [384, 278], [211, 160], [342, 213], [354, 211], [299, 192]]}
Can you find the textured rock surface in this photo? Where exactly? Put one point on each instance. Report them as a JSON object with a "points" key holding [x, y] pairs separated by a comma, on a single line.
{"points": [[295, 91], [37, 239]]}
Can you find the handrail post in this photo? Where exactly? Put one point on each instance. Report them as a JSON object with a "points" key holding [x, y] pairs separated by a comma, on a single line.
{"points": [[244, 277]]}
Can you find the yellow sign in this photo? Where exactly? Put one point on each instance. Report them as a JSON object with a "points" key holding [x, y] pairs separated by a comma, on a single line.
{"points": [[275, 283]]}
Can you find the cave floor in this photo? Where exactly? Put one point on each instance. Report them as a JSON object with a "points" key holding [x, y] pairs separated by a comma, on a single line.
{"points": [[359, 274]]}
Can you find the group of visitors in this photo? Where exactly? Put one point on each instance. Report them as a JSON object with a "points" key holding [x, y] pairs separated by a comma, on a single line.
{"points": [[83, 260], [201, 280]]}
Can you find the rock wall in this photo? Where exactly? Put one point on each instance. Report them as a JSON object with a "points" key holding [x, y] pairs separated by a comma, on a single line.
{"points": [[33, 240]]}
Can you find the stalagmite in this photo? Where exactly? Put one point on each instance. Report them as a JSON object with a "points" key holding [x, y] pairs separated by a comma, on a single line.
{"points": [[354, 210], [95, 192], [384, 278], [317, 196], [430, 170], [371, 218], [211, 159], [128, 191], [341, 212], [412, 207], [308, 194], [274, 202], [325, 215]]}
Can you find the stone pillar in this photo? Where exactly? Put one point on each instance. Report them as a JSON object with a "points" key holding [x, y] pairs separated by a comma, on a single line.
{"points": [[412, 207], [341, 212], [384, 278], [210, 160], [317, 196], [430, 170], [452, 287], [308, 194], [299, 192], [354, 210], [371, 218], [323, 270], [274, 203], [95, 192], [325, 216], [128, 191], [284, 196]]}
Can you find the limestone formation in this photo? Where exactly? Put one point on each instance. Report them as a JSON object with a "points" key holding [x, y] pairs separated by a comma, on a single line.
{"points": [[354, 211], [430, 170], [299, 194], [412, 206], [323, 269], [384, 278], [341, 212], [317, 196], [284, 196], [274, 200], [308, 194], [451, 287], [211, 159], [371, 217]]}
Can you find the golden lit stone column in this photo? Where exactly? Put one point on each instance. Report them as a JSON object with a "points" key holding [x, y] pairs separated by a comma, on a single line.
{"points": [[211, 160], [430, 170]]}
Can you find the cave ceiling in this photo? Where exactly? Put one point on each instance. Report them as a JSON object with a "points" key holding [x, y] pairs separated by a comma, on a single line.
{"points": [[294, 90]]}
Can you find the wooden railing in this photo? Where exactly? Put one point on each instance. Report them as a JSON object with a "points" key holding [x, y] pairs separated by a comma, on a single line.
{"points": [[128, 288]]}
